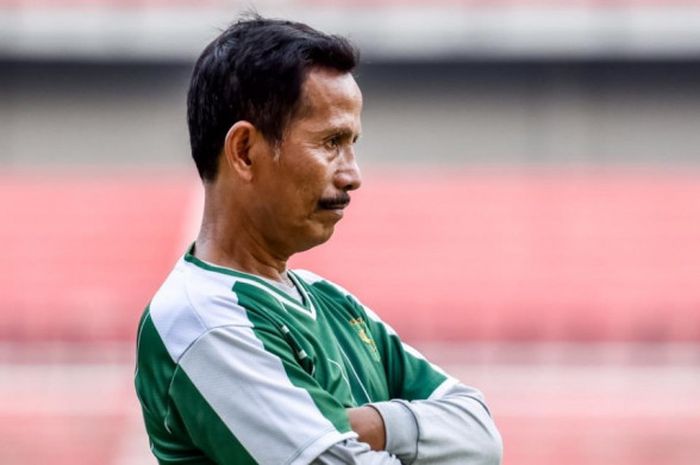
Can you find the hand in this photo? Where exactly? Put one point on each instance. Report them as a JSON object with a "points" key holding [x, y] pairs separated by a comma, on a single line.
{"points": [[369, 425]]}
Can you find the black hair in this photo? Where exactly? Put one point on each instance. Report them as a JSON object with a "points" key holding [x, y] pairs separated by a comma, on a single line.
{"points": [[254, 71]]}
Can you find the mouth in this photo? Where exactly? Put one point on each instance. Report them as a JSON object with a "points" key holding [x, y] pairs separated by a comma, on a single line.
{"points": [[338, 203]]}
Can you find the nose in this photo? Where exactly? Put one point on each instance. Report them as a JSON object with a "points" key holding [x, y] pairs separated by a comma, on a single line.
{"points": [[348, 177]]}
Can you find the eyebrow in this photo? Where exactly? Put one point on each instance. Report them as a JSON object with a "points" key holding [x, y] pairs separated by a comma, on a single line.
{"points": [[339, 130]]}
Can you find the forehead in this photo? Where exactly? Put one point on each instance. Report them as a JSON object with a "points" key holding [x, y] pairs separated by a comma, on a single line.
{"points": [[327, 92]]}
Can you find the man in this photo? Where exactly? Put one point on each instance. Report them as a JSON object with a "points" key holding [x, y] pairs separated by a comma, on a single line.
{"points": [[242, 361]]}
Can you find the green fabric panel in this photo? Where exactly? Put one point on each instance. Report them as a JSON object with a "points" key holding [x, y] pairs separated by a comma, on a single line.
{"points": [[154, 368], [268, 321], [202, 424], [170, 444], [409, 377], [352, 333]]}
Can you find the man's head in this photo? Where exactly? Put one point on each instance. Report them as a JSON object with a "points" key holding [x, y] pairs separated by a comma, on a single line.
{"points": [[274, 113], [254, 71]]}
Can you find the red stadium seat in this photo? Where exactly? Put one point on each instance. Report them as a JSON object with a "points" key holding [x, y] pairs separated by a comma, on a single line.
{"points": [[472, 254]]}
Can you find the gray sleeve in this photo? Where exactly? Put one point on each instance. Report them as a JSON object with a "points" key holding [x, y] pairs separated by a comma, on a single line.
{"points": [[353, 452], [453, 429]]}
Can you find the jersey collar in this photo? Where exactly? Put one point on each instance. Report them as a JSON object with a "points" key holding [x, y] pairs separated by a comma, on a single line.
{"points": [[306, 306]]}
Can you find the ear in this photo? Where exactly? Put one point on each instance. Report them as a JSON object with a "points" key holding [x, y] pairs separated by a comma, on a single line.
{"points": [[238, 145]]}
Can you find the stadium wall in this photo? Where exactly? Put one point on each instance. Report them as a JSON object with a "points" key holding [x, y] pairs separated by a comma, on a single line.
{"points": [[555, 113]]}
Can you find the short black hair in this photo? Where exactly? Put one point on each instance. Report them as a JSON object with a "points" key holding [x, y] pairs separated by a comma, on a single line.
{"points": [[254, 71]]}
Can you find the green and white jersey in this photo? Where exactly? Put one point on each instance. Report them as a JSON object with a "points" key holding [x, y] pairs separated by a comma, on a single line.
{"points": [[232, 370]]}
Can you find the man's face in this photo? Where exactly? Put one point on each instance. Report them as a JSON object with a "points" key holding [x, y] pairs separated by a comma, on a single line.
{"points": [[302, 187]]}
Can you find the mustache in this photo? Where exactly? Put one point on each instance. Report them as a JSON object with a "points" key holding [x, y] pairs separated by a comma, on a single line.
{"points": [[341, 200]]}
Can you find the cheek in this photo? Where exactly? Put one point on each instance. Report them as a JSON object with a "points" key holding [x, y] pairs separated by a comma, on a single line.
{"points": [[308, 197], [295, 198], [312, 184], [306, 179]]}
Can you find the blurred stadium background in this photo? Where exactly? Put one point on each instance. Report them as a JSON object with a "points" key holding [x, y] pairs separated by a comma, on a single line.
{"points": [[530, 216]]}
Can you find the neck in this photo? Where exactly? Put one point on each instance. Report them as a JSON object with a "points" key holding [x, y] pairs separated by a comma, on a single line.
{"points": [[232, 241]]}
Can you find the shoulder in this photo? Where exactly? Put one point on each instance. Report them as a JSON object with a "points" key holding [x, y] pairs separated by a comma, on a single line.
{"points": [[191, 302]]}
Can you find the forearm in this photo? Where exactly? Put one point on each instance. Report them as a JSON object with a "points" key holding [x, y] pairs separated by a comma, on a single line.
{"points": [[353, 452], [367, 422], [455, 429]]}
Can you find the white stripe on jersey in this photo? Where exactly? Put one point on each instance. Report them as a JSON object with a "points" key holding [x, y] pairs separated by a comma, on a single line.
{"points": [[249, 390], [194, 300], [211, 337], [175, 309]]}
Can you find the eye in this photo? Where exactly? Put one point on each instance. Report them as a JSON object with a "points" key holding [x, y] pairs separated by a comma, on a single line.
{"points": [[333, 143]]}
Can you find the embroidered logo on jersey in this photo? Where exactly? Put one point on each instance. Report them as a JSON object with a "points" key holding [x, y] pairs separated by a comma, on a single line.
{"points": [[358, 324]]}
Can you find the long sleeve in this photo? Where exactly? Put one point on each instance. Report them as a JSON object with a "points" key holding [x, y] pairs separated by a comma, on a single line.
{"points": [[353, 452], [431, 419], [452, 429]]}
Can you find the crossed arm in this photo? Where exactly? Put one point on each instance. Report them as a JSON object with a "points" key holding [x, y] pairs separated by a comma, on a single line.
{"points": [[445, 425], [431, 419], [368, 423], [455, 429]]}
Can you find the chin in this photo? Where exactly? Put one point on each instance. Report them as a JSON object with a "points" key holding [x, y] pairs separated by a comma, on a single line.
{"points": [[319, 236]]}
